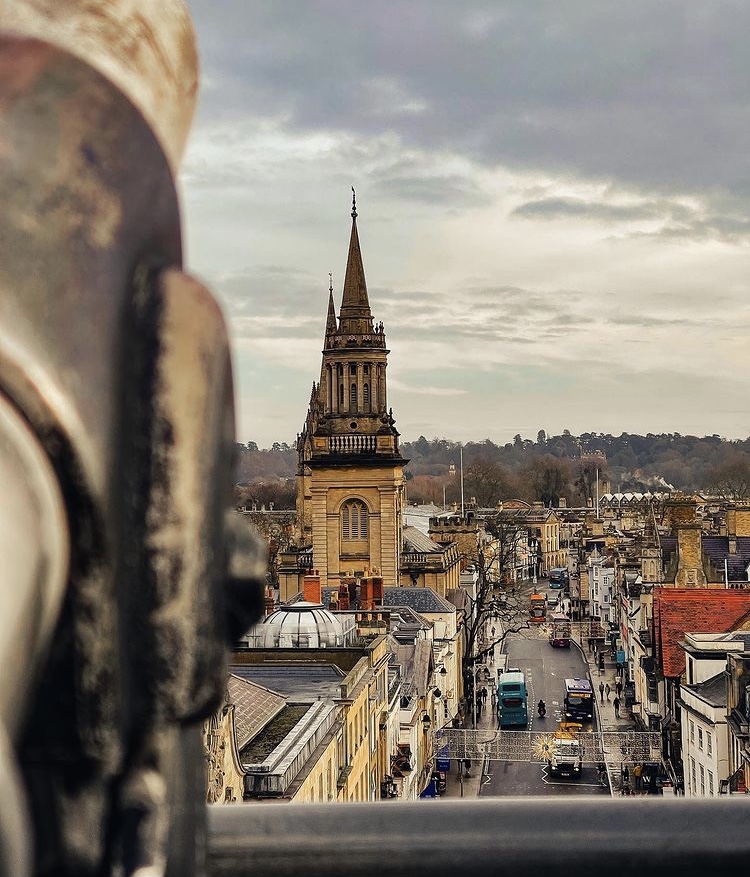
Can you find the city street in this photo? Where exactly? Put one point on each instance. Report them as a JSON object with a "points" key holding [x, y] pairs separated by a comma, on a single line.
{"points": [[545, 668]]}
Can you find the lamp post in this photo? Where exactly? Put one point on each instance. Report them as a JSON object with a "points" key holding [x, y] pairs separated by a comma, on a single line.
{"points": [[426, 726]]}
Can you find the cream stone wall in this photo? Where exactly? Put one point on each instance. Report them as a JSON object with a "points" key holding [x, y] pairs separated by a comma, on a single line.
{"points": [[320, 784], [689, 560], [380, 489]]}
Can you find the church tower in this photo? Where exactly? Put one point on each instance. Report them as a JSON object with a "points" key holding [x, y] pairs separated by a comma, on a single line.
{"points": [[350, 470]]}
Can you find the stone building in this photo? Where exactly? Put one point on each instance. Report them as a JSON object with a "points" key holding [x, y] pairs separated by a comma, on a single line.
{"points": [[350, 472], [318, 701]]}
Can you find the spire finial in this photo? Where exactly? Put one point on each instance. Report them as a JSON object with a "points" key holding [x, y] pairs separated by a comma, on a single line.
{"points": [[330, 282], [354, 204]]}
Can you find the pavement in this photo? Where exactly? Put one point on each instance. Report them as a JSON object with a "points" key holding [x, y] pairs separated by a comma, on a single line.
{"points": [[463, 785], [460, 784]]}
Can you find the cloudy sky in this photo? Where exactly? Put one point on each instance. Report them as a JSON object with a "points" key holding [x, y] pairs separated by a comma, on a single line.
{"points": [[553, 198]]}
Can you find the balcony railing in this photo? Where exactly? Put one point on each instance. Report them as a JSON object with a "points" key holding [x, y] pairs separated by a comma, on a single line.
{"points": [[482, 838], [352, 444]]}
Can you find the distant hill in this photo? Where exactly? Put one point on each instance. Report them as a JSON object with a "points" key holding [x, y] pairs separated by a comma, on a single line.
{"points": [[549, 467]]}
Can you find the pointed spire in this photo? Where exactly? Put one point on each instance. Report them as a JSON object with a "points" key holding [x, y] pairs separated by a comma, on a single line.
{"points": [[331, 318], [355, 316]]}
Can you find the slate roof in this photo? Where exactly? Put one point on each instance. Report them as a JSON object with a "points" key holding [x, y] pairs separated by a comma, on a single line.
{"points": [[254, 707], [415, 540], [418, 599], [697, 610], [415, 659], [407, 625], [717, 549], [302, 682], [712, 691]]}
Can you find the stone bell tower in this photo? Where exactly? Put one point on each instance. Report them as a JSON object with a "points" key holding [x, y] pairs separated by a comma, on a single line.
{"points": [[350, 471]]}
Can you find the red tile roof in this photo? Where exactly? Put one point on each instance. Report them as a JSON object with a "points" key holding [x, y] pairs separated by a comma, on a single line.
{"points": [[678, 611]]}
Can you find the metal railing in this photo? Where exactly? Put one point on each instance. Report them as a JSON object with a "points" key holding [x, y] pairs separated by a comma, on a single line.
{"points": [[524, 837]]}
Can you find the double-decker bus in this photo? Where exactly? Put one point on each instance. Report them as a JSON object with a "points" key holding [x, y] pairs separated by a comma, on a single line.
{"points": [[512, 699], [578, 704], [537, 608], [559, 631]]}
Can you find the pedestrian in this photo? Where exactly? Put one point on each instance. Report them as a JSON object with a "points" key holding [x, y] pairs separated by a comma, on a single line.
{"points": [[616, 705], [607, 690], [601, 691], [625, 776], [637, 777], [618, 687]]}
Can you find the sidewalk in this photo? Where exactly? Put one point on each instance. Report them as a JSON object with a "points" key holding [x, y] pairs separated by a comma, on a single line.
{"points": [[605, 712], [459, 783]]}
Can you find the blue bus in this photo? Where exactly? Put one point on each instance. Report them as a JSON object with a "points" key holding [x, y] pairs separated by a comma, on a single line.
{"points": [[512, 697]]}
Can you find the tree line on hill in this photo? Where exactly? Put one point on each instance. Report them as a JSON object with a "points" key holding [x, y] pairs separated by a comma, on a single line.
{"points": [[546, 470]]}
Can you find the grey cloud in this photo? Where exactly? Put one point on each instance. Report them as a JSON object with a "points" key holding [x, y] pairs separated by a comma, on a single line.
{"points": [[677, 220], [274, 291], [648, 94], [434, 190], [731, 229], [557, 208]]}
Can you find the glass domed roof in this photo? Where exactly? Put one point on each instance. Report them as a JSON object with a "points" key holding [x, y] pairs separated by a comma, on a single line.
{"points": [[304, 625]]}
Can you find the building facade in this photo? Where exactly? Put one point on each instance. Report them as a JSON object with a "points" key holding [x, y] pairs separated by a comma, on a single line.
{"points": [[350, 471]]}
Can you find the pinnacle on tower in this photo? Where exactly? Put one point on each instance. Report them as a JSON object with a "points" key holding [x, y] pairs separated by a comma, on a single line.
{"points": [[355, 317], [331, 318]]}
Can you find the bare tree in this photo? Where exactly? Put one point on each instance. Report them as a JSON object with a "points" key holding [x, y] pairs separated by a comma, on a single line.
{"points": [[548, 478], [731, 479], [498, 606], [488, 482], [588, 470]]}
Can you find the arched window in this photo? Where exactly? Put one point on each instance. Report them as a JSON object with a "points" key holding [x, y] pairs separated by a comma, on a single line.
{"points": [[353, 397], [366, 396], [354, 521]]}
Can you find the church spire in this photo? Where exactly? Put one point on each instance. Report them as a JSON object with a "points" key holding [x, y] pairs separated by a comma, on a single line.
{"points": [[355, 317], [331, 318]]}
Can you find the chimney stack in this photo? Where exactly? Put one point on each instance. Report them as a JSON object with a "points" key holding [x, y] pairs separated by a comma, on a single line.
{"points": [[311, 589]]}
